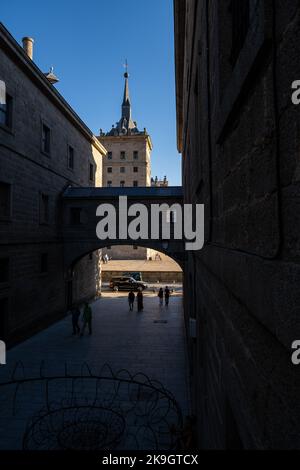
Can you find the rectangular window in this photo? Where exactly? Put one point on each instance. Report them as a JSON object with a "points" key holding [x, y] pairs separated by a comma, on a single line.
{"points": [[109, 155], [109, 184], [135, 155], [71, 157], [4, 270], [240, 12], [123, 155], [135, 184], [46, 139], [44, 209], [135, 169], [6, 112], [91, 172], [122, 169], [109, 169], [5, 200], [75, 215], [122, 184], [44, 263]]}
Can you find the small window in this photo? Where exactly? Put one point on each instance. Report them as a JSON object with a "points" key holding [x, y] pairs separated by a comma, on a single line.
{"points": [[4, 270], [71, 157], [122, 169], [135, 169], [109, 184], [46, 139], [44, 263], [109, 169], [135, 155], [109, 155], [6, 112], [135, 184], [123, 155], [5, 200], [122, 184], [91, 172], [44, 209], [75, 215]]}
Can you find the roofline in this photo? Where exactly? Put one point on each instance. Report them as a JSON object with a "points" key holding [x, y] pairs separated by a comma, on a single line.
{"points": [[179, 34], [141, 134], [18, 55]]}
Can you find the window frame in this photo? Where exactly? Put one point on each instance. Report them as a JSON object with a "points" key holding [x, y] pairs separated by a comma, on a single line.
{"points": [[45, 125], [8, 217]]}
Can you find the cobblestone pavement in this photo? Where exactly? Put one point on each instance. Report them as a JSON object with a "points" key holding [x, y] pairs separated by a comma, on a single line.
{"points": [[151, 342]]}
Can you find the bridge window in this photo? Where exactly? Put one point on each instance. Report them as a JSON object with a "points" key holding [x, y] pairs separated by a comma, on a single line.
{"points": [[4, 270], [70, 158], [109, 184], [240, 12], [122, 169], [46, 139], [135, 169], [109, 156], [122, 184], [76, 215], [123, 155], [109, 169], [5, 200], [44, 263], [44, 208], [135, 155], [91, 172], [135, 184]]}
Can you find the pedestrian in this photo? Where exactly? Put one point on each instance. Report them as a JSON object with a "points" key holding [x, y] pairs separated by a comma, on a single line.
{"points": [[167, 296], [161, 296], [87, 318], [131, 297], [75, 318], [140, 303]]}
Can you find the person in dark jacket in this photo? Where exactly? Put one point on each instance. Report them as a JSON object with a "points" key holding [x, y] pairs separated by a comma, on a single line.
{"points": [[131, 297], [87, 319], [140, 302], [167, 296], [161, 296], [75, 312]]}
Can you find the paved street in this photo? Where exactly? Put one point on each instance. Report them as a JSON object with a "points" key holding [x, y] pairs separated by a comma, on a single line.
{"points": [[135, 341]]}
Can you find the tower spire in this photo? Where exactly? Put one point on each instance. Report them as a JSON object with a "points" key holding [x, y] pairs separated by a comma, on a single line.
{"points": [[126, 106]]}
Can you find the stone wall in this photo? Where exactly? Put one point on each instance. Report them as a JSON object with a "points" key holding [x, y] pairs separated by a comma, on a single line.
{"points": [[240, 143]]}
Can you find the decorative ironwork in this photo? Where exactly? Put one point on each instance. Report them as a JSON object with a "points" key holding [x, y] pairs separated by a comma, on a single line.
{"points": [[92, 411]]}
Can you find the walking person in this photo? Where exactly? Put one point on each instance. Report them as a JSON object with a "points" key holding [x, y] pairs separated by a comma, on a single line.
{"points": [[161, 296], [75, 312], [87, 318], [140, 302], [131, 298], [167, 296]]}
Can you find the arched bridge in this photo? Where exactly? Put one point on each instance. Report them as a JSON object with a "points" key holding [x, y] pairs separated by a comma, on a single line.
{"points": [[80, 220]]}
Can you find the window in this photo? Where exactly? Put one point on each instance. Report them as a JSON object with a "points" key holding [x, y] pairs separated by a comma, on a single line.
{"points": [[135, 155], [109, 184], [75, 215], [122, 184], [109, 155], [46, 139], [135, 169], [122, 169], [5, 200], [71, 157], [109, 169], [4, 270], [240, 12], [123, 155], [44, 209], [44, 263], [135, 184], [91, 172], [6, 112]]}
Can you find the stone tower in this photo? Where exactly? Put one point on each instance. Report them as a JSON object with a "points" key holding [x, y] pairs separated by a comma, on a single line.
{"points": [[128, 162]]}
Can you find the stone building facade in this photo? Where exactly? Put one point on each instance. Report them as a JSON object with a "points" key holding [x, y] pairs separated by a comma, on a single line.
{"points": [[239, 135], [44, 148], [127, 164]]}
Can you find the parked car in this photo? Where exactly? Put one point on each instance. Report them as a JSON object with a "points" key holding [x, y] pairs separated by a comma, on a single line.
{"points": [[126, 283], [135, 274]]}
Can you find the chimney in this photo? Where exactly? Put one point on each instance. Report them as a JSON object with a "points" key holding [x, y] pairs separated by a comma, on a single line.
{"points": [[28, 46]]}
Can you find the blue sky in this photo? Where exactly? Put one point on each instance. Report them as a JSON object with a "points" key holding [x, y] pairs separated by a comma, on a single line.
{"points": [[88, 41]]}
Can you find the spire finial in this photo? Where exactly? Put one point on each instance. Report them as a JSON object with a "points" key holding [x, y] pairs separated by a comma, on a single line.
{"points": [[126, 74]]}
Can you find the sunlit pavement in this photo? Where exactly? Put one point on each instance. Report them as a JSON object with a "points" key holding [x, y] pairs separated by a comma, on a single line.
{"points": [[151, 342]]}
